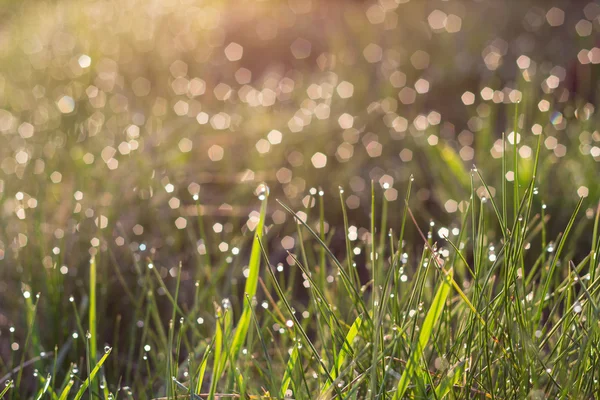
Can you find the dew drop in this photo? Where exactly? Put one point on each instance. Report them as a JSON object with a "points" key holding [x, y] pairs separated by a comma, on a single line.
{"points": [[262, 191]]}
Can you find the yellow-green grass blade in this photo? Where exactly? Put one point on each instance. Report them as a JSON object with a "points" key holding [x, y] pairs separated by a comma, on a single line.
{"points": [[251, 284], [218, 340], [44, 389], [9, 385], [93, 374], [287, 374], [346, 348], [65, 393], [202, 369], [432, 317], [92, 317]]}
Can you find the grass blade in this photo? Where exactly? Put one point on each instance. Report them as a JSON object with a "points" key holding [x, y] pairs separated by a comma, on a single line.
{"points": [[251, 283], [86, 383], [433, 315]]}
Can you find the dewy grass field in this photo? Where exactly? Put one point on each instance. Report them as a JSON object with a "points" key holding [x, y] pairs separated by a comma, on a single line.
{"points": [[299, 199]]}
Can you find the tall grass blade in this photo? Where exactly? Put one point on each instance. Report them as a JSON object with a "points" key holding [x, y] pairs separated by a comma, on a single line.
{"points": [[92, 318], [251, 284], [432, 317], [93, 374]]}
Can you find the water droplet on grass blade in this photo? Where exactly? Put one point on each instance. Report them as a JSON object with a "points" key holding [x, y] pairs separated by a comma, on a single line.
{"points": [[262, 191]]}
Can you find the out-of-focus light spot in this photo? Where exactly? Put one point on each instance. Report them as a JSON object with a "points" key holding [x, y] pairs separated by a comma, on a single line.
{"points": [[467, 153], [420, 59], [373, 53], [263, 146], [220, 121], [511, 138], [407, 95], [222, 91], [141, 87], [185, 145], [437, 20], [301, 48], [406, 155], [583, 191], [56, 177], [555, 16], [180, 223], [181, 108], [544, 105], [345, 89], [391, 194], [523, 62], [234, 51], [346, 121], [583, 27], [453, 23], [66, 104], [174, 203], [376, 14], [26, 130], [197, 87], [451, 206], [288, 242], [468, 98], [398, 79], [422, 86], [22, 157], [215, 153], [319, 160], [84, 61], [202, 118]]}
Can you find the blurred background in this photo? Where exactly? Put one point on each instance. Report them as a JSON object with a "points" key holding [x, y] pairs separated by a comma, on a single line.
{"points": [[125, 123]]}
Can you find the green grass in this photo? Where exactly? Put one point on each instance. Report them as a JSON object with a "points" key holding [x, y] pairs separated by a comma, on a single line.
{"points": [[443, 259], [449, 320]]}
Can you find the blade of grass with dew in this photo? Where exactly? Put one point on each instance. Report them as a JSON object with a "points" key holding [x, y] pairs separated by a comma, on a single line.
{"points": [[356, 297], [251, 282], [65, 393], [346, 348], [92, 318], [516, 162], [218, 354], [86, 383], [171, 363], [46, 382], [9, 385], [297, 324], [555, 259], [433, 315], [375, 296], [31, 322], [287, 374], [349, 255]]}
